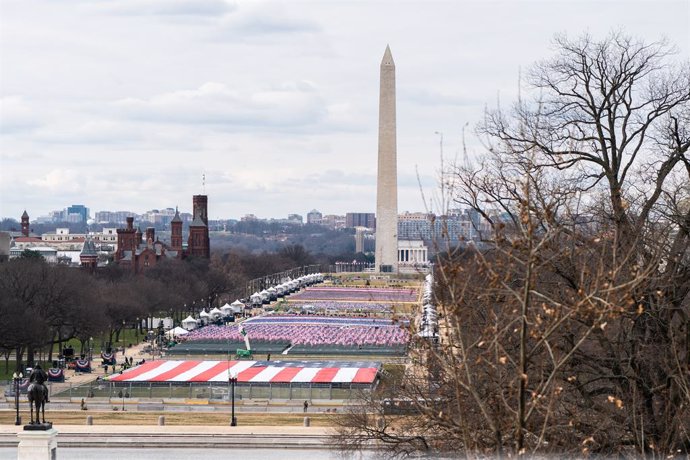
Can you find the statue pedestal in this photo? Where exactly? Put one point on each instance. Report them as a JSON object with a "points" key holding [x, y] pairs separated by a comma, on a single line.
{"points": [[37, 445]]}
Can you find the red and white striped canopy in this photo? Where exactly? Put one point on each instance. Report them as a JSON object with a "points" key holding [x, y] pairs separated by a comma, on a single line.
{"points": [[252, 371]]}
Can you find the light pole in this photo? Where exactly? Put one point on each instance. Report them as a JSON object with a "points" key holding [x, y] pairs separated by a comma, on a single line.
{"points": [[233, 381], [17, 377], [440, 134]]}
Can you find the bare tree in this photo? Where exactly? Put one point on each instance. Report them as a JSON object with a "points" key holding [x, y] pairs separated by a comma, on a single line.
{"points": [[568, 331], [610, 126]]}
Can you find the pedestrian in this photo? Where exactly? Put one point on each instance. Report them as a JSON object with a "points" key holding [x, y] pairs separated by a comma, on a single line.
{"points": [[83, 404], [306, 406], [268, 357]]}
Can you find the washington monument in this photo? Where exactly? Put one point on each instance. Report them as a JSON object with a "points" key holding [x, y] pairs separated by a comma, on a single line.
{"points": [[387, 182]]}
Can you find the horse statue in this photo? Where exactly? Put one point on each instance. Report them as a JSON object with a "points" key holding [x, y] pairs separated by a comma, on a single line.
{"points": [[38, 394]]}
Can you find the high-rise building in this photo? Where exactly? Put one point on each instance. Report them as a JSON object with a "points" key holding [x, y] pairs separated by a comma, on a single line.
{"points": [[77, 213], [387, 180], [360, 219], [359, 239], [314, 217]]}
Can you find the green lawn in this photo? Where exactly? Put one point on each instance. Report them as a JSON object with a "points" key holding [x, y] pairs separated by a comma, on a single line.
{"points": [[6, 373], [128, 336]]}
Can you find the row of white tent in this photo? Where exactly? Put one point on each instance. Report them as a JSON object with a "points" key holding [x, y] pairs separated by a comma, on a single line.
{"points": [[225, 311], [256, 300], [429, 322], [281, 290]]}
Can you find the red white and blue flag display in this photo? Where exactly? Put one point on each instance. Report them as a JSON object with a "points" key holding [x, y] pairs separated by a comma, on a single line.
{"points": [[83, 365], [56, 374], [108, 358], [252, 372]]}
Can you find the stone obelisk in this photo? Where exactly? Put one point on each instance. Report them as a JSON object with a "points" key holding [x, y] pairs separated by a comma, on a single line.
{"points": [[387, 181]]}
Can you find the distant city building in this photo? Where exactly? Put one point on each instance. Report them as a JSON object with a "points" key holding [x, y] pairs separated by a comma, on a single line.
{"points": [[333, 221], [414, 216], [314, 217], [106, 236], [456, 226], [114, 217], [63, 235], [360, 219], [77, 213], [296, 218], [360, 234], [162, 217], [50, 254]]}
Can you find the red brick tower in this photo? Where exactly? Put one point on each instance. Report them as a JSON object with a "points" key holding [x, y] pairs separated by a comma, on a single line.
{"points": [[150, 236], [198, 244], [176, 234], [200, 205], [25, 224], [126, 239]]}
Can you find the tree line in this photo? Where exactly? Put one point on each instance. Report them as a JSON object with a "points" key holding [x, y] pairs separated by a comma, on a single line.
{"points": [[43, 305]]}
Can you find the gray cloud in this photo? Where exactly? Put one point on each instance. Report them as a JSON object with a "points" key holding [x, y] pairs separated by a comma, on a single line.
{"points": [[427, 97], [123, 104], [253, 21], [199, 8], [291, 105]]}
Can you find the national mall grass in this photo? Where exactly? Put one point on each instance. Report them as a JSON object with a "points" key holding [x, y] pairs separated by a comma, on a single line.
{"points": [[172, 418]]}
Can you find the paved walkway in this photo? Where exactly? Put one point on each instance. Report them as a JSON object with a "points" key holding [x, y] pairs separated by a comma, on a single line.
{"points": [[73, 378], [180, 429], [147, 436]]}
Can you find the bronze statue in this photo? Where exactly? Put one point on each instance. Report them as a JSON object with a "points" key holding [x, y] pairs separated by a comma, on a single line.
{"points": [[38, 394]]}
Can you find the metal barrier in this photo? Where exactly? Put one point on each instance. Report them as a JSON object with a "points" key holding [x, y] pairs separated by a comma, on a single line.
{"points": [[212, 390]]}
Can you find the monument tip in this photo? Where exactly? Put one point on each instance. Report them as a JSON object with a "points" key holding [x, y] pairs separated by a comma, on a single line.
{"points": [[387, 57]]}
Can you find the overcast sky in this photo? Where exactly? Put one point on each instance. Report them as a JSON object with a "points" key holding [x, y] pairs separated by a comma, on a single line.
{"points": [[123, 105]]}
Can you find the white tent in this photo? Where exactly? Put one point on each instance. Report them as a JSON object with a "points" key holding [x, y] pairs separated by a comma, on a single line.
{"points": [[189, 323], [256, 298], [227, 309], [215, 313], [237, 306], [177, 332], [204, 317]]}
